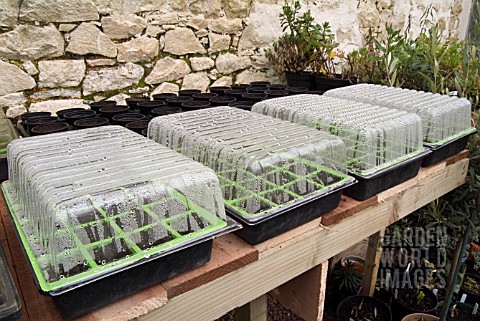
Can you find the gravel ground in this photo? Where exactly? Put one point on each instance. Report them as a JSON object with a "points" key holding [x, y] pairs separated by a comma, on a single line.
{"points": [[276, 312]]}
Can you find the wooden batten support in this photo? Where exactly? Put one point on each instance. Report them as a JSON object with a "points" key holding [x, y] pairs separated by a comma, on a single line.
{"points": [[256, 310], [305, 294], [372, 262]]}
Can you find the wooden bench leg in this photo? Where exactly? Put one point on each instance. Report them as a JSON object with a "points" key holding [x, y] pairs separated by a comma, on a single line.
{"points": [[256, 310], [372, 262], [305, 294]]}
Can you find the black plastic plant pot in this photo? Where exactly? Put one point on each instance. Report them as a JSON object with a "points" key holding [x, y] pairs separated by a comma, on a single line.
{"points": [[276, 87], [124, 119], [458, 312], [237, 93], [61, 113], [76, 115], [297, 90], [32, 122], [90, 122], [110, 111], [368, 186], [146, 107], [256, 97], [363, 308], [276, 93], [219, 90], [323, 83], [443, 151], [163, 96], [133, 101], [260, 83], [145, 132], [285, 220], [24, 117], [221, 101], [178, 100], [138, 126], [257, 89], [189, 92], [204, 96], [303, 79], [103, 103], [195, 105], [411, 300], [162, 111], [470, 287], [3, 169], [241, 86], [49, 128]]}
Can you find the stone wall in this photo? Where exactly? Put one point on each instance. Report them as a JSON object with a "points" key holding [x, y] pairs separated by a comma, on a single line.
{"points": [[63, 53]]}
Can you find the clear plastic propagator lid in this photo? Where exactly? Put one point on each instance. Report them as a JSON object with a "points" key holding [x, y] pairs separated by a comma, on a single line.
{"points": [[445, 118], [376, 138], [92, 201], [264, 164]]}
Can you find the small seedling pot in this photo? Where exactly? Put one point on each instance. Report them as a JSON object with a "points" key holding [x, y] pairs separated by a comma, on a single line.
{"points": [[237, 93], [276, 93], [145, 132], [133, 101], [49, 128], [296, 90], [110, 111], [260, 83], [194, 105], [204, 96], [76, 115], [138, 126], [462, 312], [219, 90], [189, 92], [162, 111], [90, 122], [61, 113], [242, 104], [256, 97], [221, 101], [24, 117], [363, 308], [241, 86], [146, 107], [103, 103], [260, 90], [408, 302], [163, 96], [323, 83], [32, 122], [315, 92], [471, 287], [178, 100], [124, 119]]}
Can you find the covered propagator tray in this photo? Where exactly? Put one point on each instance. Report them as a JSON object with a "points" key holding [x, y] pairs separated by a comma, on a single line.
{"points": [[275, 175], [104, 212], [384, 146], [446, 119]]}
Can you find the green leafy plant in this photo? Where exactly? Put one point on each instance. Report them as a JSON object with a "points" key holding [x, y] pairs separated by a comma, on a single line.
{"points": [[293, 51]]}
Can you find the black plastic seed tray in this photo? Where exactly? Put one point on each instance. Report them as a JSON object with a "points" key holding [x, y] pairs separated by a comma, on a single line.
{"points": [[104, 288], [10, 307], [443, 151], [286, 219], [370, 185]]}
